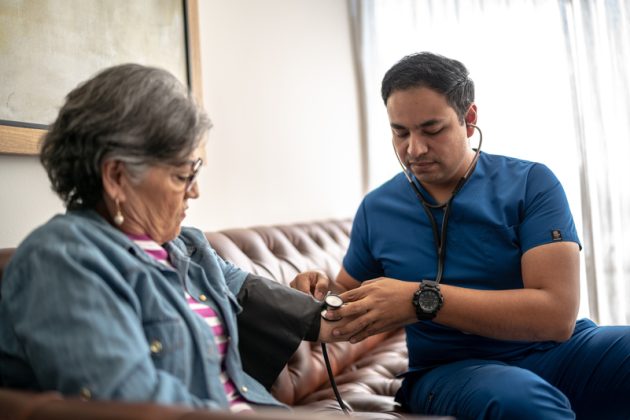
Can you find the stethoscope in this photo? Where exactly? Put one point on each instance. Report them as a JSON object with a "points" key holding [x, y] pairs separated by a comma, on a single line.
{"points": [[334, 301], [439, 235]]}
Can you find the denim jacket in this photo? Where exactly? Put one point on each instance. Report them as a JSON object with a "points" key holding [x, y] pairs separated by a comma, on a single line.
{"points": [[83, 310]]}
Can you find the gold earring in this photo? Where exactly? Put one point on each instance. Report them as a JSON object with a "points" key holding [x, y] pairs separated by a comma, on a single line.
{"points": [[118, 218]]}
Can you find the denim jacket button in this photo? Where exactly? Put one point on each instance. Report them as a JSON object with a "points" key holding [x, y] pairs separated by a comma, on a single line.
{"points": [[155, 346], [85, 393], [244, 388], [203, 298]]}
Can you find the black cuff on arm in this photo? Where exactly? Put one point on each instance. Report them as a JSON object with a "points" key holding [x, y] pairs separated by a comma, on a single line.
{"points": [[274, 321]]}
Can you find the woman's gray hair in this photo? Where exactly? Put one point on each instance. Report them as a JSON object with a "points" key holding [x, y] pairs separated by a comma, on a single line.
{"points": [[136, 114]]}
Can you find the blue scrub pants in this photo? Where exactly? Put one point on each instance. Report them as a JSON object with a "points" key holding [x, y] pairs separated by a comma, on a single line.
{"points": [[586, 377]]}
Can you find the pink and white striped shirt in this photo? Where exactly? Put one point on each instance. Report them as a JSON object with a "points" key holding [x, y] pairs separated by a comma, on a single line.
{"points": [[237, 402]]}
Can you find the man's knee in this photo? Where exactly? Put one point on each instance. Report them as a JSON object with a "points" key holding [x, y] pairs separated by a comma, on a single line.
{"points": [[523, 399], [487, 390]]}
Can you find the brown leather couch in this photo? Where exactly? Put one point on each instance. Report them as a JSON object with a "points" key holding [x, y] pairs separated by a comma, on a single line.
{"points": [[365, 372]]}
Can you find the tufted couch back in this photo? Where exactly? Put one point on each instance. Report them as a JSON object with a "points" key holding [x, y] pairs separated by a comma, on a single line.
{"points": [[365, 372]]}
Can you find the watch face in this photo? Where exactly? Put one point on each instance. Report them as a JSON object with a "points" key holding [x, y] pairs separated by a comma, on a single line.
{"points": [[429, 301]]}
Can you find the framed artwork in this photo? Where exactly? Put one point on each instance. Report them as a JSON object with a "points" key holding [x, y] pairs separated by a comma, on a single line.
{"points": [[49, 46]]}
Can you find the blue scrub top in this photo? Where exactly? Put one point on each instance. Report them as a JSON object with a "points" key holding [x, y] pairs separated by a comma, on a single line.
{"points": [[507, 207]]}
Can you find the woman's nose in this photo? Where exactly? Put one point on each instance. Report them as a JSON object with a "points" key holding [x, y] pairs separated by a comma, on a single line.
{"points": [[193, 192]]}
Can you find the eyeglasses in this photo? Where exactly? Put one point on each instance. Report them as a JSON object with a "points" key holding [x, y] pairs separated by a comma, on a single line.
{"points": [[195, 167]]}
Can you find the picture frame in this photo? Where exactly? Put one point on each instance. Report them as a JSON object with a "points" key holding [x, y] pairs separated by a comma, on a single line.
{"points": [[24, 137]]}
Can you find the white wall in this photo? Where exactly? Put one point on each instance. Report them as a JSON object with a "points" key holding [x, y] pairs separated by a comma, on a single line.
{"points": [[26, 199], [279, 86]]}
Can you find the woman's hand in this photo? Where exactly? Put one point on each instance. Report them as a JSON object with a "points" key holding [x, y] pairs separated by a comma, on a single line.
{"points": [[313, 282]]}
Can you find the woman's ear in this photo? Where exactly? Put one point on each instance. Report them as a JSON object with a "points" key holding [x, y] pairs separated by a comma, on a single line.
{"points": [[112, 173], [471, 119]]}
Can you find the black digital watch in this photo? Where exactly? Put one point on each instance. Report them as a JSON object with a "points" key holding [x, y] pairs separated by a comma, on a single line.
{"points": [[427, 300]]}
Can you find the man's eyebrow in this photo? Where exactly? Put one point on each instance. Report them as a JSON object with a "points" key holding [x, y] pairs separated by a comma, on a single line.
{"points": [[397, 126], [428, 123]]}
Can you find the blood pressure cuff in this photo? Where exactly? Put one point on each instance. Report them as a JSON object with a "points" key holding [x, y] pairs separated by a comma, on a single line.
{"points": [[274, 321]]}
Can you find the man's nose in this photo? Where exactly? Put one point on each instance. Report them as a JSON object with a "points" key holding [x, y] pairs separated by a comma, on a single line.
{"points": [[417, 145]]}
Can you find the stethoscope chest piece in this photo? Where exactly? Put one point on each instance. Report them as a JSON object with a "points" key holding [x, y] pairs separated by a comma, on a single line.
{"points": [[331, 301]]}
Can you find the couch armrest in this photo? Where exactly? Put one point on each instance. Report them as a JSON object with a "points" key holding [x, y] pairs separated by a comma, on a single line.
{"points": [[23, 405]]}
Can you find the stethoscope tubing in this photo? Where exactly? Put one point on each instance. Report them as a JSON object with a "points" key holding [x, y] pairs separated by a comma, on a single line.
{"points": [[439, 235]]}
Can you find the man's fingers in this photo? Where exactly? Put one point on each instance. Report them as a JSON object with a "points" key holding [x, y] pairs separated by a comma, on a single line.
{"points": [[349, 310], [354, 295], [349, 330], [369, 330], [353, 327]]}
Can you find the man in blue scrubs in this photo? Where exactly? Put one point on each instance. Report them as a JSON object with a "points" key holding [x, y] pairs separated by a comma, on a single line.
{"points": [[486, 279]]}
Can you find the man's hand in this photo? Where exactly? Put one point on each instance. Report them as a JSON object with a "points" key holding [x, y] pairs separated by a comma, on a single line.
{"points": [[313, 282], [327, 327], [377, 306]]}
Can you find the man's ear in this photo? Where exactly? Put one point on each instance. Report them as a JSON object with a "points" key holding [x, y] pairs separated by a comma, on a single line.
{"points": [[471, 119], [112, 172]]}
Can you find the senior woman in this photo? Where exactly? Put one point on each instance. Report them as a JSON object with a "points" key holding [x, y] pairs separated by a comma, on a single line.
{"points": [[113, 299]]}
